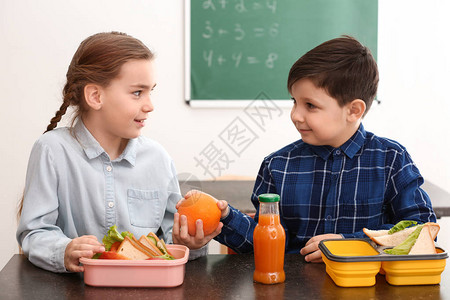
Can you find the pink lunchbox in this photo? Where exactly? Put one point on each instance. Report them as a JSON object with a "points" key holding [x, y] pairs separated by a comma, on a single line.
{"points": [[137, 273]]}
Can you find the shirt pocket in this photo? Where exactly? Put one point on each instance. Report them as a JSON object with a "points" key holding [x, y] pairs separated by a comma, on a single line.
{"points": [[369, 211], [144, 208]]}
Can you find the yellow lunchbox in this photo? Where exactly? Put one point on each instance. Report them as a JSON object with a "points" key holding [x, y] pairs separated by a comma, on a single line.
{"points": [[356, 262]]}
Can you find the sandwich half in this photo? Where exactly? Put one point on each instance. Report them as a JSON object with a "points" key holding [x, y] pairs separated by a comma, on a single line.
{"points": [[394, 239], [424, 243], [150, 246], [420, 241], [133, 250], [397, 234]]}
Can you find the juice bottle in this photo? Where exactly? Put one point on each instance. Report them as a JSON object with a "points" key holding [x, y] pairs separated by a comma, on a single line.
{"points": [[268, 242]]}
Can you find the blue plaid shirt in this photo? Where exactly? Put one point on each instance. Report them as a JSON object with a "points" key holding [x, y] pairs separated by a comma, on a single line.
{"points": [[367, 182]]}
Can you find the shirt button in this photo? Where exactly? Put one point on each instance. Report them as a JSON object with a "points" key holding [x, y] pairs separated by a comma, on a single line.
{"points": [[109, 168], [338, 152], [111, 204], [328, 218]]}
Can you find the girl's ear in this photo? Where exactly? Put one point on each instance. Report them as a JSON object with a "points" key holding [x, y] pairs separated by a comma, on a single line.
{"points": [[356, 110], [92, 96]]}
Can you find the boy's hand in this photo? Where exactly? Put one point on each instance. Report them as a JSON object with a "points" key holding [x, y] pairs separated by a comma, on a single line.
{"points": [[311, 249], [180, 233], [83, 246]]}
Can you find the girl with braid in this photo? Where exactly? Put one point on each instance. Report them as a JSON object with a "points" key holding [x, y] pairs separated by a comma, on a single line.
{"points": [[99, 171]]}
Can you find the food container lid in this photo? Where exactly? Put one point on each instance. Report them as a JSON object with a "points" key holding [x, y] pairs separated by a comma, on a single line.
{"points": [[359, 250]]}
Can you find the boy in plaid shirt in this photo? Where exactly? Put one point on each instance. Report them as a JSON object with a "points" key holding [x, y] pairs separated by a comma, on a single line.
{"points": [[338, 178]]}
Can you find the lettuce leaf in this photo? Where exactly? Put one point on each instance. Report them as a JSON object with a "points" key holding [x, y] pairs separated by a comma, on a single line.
{"points": [[113, 235], [126, 233], [401, 225], [407, 244]]}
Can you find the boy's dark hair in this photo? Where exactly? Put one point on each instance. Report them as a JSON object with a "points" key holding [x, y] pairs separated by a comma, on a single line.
{"points": [[343, 67]]}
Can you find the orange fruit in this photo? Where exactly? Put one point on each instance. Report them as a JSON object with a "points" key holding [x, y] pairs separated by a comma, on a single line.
{"points": [[200, 206]]}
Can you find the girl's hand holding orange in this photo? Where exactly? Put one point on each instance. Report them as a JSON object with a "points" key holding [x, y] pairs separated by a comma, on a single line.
{"points": [[198, 219]]}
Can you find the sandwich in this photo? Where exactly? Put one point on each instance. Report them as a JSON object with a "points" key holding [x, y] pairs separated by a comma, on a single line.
{"points": [[420, 241], [134, 250], [125, 246], [154, 244], [144, 240], [406, 237], [392, 237]]}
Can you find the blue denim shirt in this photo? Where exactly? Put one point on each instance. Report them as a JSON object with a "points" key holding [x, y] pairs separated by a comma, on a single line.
{"points": [[73, 189], [367, 182]]}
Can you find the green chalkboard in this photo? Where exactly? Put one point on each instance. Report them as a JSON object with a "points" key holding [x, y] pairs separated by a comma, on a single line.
{"points": [[239, 49]]}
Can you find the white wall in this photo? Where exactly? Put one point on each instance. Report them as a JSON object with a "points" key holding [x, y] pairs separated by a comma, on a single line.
{"points": [[38, 39]]}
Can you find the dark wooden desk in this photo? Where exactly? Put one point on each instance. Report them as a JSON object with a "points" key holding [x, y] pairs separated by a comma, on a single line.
{"points": [[211, 277]]}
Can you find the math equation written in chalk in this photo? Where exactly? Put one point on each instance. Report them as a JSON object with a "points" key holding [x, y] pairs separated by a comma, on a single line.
{"points": [[237, 49], [229, 43]]}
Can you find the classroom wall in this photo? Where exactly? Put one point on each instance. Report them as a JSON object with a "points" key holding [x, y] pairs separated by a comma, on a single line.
{"points": [[38, 39]]}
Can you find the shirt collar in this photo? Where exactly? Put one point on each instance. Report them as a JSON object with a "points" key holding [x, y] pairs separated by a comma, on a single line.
{"points": [[92, 148], [355, 143], [350, 147], [323, 151]]}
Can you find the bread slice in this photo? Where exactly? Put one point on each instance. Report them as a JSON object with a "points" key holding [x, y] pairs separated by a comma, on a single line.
{"points": [[424, 243], [393, 240], [133, 250], [159, 243], [162, 246], [434, 229], [145, 241], [374, 233]]}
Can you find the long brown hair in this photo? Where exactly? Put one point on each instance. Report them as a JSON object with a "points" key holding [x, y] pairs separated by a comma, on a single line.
{"points": [[343, 67], [98, 60]]}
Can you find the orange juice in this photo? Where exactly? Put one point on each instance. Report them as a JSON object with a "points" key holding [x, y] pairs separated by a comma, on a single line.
{"points": [[268, 242]]}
